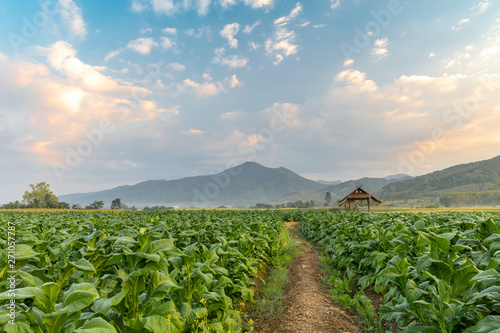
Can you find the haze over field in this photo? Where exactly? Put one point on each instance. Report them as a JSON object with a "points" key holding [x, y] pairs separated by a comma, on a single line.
{"points": [[97, 94]]}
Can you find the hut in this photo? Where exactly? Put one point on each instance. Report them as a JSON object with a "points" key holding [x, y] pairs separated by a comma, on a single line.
{"points": [[356, 196]]}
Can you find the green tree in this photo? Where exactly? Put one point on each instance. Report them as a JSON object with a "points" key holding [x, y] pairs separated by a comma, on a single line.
{"points": [[39, 195], [328, 198], [95, 205], [116, 204]]}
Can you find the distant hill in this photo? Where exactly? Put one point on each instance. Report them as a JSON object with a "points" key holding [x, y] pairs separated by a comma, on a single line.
{"points": [[341, 189], [245, 184], [327, 182], [473, 177]]}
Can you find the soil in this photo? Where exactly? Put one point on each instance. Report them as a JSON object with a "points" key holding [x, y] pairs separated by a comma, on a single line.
{"points": [[309, 307]]}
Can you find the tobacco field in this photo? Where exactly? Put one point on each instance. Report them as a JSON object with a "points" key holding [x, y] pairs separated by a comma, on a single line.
{"points": [[436, 272], [171, 271]]}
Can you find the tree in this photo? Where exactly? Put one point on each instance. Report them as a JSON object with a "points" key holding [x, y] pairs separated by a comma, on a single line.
{"points": [[95, 205], [328, 198], [39, 195], [116, 204], [76, 206]]}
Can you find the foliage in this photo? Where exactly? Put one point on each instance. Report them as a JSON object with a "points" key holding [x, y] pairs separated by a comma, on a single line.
{"points": [[457, 199], [473, 177], [116, 203], [39, 196], [328, 198], [437, 273], [95, 205], [169, 271]]}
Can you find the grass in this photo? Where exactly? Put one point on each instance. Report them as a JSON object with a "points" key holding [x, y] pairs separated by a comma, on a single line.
{"points": [[270, 301]]}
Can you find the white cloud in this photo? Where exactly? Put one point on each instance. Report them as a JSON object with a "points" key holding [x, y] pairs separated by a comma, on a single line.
{"points": [[253, 45], [72, 15], [227, 3], [249, 28], [380, 50], [166, 7], [201, 89], [203, 32], [348, 62], [232, 115], [142, 45], [283, 42], [192, 132], [138, 6], [490, 51], [203, 6], [481, 7], [170, 31], [210, 88], [112, 54], [64, 98], [167, 44], [319, 26], [259, 3], [432, 55], [335, 4], [234, 82], [460, 24], [175, 66], [233, 61], [228, 32]]}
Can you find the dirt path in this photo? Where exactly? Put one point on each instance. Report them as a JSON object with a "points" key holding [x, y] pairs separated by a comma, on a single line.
{"points": [[310, 308]]}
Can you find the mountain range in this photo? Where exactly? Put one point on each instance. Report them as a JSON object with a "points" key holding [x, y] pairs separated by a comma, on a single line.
{"points": [[252, 183]]}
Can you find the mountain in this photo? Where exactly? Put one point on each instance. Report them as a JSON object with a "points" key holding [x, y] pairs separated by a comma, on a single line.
{"points": [[326, 182], [245, 184], [473, 177], [370, 185], [341, 189]]}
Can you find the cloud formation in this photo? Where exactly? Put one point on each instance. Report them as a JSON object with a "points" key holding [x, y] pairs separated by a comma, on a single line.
{"points": [[283, 41], [72, 15], [228, 32]]}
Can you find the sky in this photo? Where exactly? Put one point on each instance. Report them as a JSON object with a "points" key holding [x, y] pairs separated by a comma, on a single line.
{"points": [[97, 94]]}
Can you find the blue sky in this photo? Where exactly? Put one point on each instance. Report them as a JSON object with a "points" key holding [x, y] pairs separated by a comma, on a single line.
{"points": [[96, 94]]}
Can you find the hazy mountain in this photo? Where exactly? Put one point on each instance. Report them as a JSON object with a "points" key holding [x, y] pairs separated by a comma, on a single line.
{"points": [[327, 182], [245, 184], [341, 189], [464, 178]]}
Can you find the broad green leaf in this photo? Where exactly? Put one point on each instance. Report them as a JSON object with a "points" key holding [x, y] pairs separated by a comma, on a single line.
{"points": [[155, 324], [30, 279], [96, 325], [160, 246], [24, 251], [102, 305], [422, 329], [413, 293], [487, 276], [51, 291], [460, 280], [83, 265], [490, 324], [19, 327]]}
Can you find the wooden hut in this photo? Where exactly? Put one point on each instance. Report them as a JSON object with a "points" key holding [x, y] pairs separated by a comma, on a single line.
{"points": [[356, 196]]}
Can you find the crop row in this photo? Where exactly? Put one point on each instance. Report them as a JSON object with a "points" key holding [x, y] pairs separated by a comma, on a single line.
{"points": [[436, 272], [187, 271]]}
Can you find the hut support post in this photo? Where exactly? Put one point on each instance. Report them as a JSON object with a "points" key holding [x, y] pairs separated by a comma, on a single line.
{"points": [[368, 202]]}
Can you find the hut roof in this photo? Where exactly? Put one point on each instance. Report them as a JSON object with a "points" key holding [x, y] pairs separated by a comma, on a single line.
{"points": [[358, 194]]}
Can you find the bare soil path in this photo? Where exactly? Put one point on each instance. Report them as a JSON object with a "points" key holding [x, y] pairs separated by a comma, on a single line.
{"points": [[310, 308]]}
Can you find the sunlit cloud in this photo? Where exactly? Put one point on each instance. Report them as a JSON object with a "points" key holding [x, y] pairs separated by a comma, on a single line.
{"points": [[228, 32], [143, 45], [72, 15]]}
